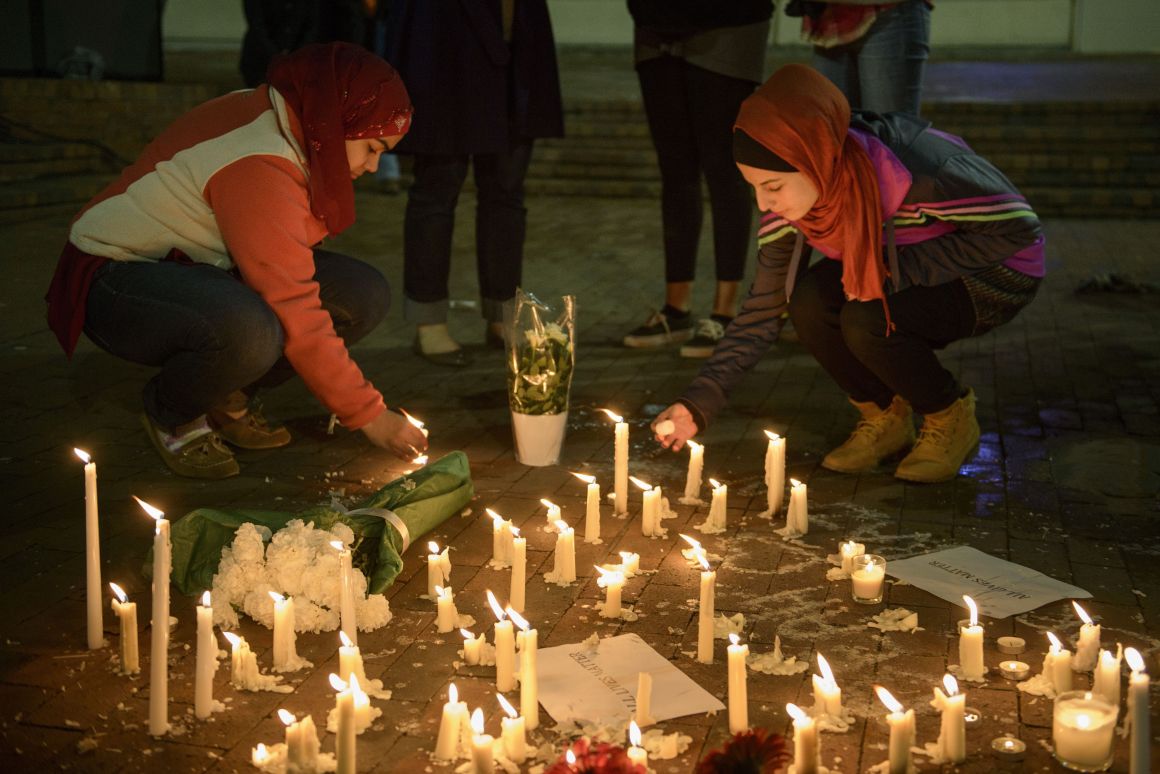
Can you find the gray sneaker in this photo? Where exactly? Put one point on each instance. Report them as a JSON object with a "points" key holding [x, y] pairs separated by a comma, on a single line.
{"points": [[660, 330], [705, 338]]}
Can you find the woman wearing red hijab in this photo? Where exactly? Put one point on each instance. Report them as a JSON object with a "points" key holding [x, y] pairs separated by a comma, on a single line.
{"points": [[924, 243], [201, 259]]}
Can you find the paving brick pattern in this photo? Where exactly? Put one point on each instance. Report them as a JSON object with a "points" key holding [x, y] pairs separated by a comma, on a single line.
{"points": [[1065, 481]]}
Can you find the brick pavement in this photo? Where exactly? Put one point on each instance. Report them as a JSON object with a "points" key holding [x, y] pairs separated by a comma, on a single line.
{"points": [[1066, 482]]}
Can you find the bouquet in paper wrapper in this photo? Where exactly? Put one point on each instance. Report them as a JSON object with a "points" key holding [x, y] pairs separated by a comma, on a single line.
{"points": [[541, 357]]}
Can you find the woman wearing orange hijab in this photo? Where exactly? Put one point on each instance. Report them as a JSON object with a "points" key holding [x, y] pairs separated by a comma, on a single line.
{"points": [[924, 243], [202, 259]]}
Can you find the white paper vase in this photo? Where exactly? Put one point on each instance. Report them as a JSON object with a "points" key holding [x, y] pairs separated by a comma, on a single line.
{"points": [[539, 437]]}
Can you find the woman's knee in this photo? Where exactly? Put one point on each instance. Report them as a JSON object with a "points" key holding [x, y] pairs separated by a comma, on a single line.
{"points": [[250, 339]]}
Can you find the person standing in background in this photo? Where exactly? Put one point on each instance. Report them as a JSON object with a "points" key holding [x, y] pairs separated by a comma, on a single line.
{"points": [[697, 61], [874, 52], [274, 27], [483, 77]]}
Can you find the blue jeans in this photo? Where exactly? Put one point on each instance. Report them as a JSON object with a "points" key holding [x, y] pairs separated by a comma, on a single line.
{"points": [[882, 71], [211, 334]]}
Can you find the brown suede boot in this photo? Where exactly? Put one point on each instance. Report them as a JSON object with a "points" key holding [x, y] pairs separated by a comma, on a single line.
{"points": [[944, 442], [879, 434], [240, 422], [205, 456]]}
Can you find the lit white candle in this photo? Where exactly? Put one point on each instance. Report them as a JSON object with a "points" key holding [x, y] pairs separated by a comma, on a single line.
{"points": [[637, 755], [1083, 730], [206, 660], [350, 660], [807, 751], [620, 468], [513, 733], [952, 736], [1139, 722], [451, 726], [650, 516], [971, 666], [797, 519], [565, 555], [1087, 649], [629, 563], [438, 568], [528, 640], [346, 609], [696, 468], [643, 713], [260, 756], [159, 627], [612, 582], [519, 570], [1057, 665], [505, 648], [718, 508], [284, 653], [827, 694], [501, 537], [302, 746], [417, 423], [592, 511], [553, 512], [482, 753], [774, 473], [472, 646], [867, 578], [127, 617], [446, 616], [344, 745], [848, 551], [738, 691], [901, 733], [95, 618], [1106, 680], [705, 610]]}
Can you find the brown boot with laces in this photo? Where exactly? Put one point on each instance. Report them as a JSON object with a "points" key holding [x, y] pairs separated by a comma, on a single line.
{"points": [[880, 433], [204, 456], [244, 426], [946, 439]]}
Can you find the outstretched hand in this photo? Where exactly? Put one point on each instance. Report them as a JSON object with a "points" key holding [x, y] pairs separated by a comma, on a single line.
{"points": [[683, 427], [394, 433]]}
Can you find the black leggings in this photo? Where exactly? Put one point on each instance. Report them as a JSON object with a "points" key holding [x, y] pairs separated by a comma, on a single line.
{"points": [[690, 114], [849, 339]]}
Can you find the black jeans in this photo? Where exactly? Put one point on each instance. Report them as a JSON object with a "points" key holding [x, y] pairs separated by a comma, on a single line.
{"points": [[500, 227], [849, 339], [690, 114], [209, 332]]}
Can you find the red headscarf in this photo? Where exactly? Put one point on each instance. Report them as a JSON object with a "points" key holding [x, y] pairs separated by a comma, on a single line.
{"points": [[339, 91], [802, 117]]}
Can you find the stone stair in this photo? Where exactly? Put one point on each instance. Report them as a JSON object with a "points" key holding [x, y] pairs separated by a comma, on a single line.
{"points": [[1070, 159]]}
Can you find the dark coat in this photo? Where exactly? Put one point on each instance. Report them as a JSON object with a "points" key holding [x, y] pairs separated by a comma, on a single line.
{"points": [[474, 93]]}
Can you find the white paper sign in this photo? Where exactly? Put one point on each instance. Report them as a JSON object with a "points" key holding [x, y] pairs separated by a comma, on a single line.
{"points": [[1000, 588], [599, 685]]}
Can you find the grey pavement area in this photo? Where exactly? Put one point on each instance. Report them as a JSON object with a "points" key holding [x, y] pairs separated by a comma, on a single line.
{"points": [[1065, 481]]}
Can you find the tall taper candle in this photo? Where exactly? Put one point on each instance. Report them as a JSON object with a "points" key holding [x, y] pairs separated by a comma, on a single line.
{"points": [[505, 648], [620, 467], [738, 692], [95, 619], [206, 660], [346, 610], [901, 734], [1140, 752], [519, 571], [592, 511], [705, 611], [774, 472], [528, 640], [1087, 647], [159, 628], [696, 469]]}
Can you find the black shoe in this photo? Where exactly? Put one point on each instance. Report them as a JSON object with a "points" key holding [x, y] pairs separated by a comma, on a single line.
{"points": [[709, 331], [456, 358], [660, 329]]}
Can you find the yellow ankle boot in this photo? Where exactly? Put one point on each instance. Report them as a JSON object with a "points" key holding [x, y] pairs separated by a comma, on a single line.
{"points": [[945, 440], [879, 434]]}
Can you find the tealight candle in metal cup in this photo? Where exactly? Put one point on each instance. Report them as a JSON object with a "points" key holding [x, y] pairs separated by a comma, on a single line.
{"points": [[1008, 748], [1011, 646], [1014, 670]]}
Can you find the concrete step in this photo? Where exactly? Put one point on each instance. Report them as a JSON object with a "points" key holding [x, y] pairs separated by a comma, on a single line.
{"points": [[72, 190]]}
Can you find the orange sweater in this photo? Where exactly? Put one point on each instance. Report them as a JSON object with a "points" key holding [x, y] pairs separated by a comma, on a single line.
{"points": [[226, 184]]}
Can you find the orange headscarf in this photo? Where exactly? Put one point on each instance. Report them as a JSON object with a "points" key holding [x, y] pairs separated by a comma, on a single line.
{"points": [[339, 91], [803, 118]]}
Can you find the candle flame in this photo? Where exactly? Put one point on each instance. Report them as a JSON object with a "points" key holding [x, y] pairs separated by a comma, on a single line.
{"points": [[692, 541], [286, 718], [520, 621], [771, 435], [466, 634], [274, 595], [973, 608], [452, 694], [702, 559], [1134, 659], [338, 545], [432, 546], [119, 592], [626, 555], [84, 455], [507, 707], [795, 483], [587, 479], [261, 754], [634, 733], [614, 417], [827, 673], [608, 577], [570, 757], [354, 687], [849, 546], [155, 513], [1083, 721], [491, 600], [416, 422], [693, 445], [515, 531], [234, 639], [562, 526], [477, 721], [548, 503], [420, 460], [795, 712], [495, 517], [733, 638], [951, 684], [715, 483], [643, 485], [347, 642], [888, 699], [337, 683], [205, 599], [1083, 616], [441, 592], [1056, 645]]}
